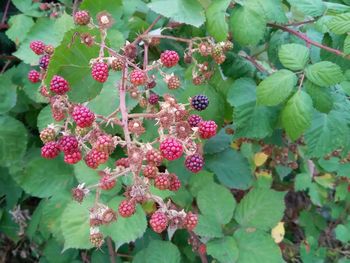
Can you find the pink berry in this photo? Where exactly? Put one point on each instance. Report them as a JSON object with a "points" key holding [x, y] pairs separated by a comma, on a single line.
{"points": [[162, 182], [169, 58], [175, 183], [194, 120], [50, 150], [158, 222], [190, 221], [38, 47], [73, 157], [106, 183], [123, 162], [138, 77], [44, 61], [150, 171], [34, 76], [171, 148], [59, 85], [68, 144], [153, 99], [126, 208], [154, 157], [207, 129], [91, 161], [82, 17], [83, 116], [194, 163], [99, 72]]}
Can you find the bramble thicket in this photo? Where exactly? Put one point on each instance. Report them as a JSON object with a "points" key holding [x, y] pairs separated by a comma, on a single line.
{"points": [[175, 131]]}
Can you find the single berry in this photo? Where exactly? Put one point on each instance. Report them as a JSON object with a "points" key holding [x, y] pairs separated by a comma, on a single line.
{"points": [[126, 208], [44, 92], [150, 171], [73, 157], [38, 47], [151, 84], [58, 114], [205, 49], [175, 182], [174, 82], [190, 221], [194, 120], [83, 116], [183, 130], [197, 80], [123, 162], [49, 49], [104, 143], [171, 148], [218, 54], [90, 160], [117, 64], [130, 51], [96, 239], [199, 102], [47, 135], [194, 163], [106, 183], [169, 58], [82, 17], [162, 182], [154, 157], [34, 76], [68, 144], [138, 77], [99, 71], [158, 222], [207, 129], [153, 99], [78, 194], [59, 85], [202, 249], [44, 61], [50, 150]]}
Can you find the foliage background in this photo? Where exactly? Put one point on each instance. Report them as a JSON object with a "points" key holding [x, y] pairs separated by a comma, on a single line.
{"points": [[312, 200]]}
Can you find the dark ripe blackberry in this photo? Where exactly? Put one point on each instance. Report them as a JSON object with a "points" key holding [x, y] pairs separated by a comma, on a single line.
{"points": [[44, 61], [199, 102]]}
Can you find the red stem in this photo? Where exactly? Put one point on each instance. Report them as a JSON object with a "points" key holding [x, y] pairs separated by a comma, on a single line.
{"points": [[138, 39], [4, 16], [111, 250]]}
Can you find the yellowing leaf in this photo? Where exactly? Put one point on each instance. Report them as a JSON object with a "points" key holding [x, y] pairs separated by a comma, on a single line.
{"points": [[277, 233], [327, 180], [263, 173], [235, 145], [260, 158]]}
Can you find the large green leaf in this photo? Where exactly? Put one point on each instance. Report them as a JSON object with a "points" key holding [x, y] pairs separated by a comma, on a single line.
{"points": [[297, 114], [294, 56], [217, 202], [324, 73], [261, 208], [184, 11], [13, 140], [309, 7], [216, 21], [276, 88], [208, 227], [20, 25], [256, 247], [340, 24], [224, 249], [8, 93], [271, 9], [114, 7], [160, 252], [234, 176]]}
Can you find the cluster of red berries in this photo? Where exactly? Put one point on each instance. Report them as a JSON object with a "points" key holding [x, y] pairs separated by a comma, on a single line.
{"points": [[45, 51]]}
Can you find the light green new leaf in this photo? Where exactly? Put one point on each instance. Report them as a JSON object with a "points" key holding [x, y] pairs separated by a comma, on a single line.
{"points": [[297, 114], [340, 24], [225, 249], [217, 202], [276, 88], [20, 25], [261, 208], [324, 73], [309, 7], [257, 247], [216, 21], [185, 11], [294, 56]]}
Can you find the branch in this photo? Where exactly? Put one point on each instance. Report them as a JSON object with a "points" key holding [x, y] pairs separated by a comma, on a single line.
{"points": [[253, 61], [308, 40], [4, 16], [111, 250], [138, 39]]}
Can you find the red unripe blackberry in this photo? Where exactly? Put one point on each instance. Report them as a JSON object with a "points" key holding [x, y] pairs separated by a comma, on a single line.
{"points": [[151, 84], [44, 61], [47, 135], [78, 194], [73, 157], [57, 114], [49, 49], [99, 71], [38, 47], [83, 116], [68, 144], [94, 158], [106, 183], [158, 222], [34, 76], [150, 171], [174, 82], [126, 208], [207, 129], [153, 99], [194, 163], [197, 80], [171, 148], [202, 249], [104, 143], [162, 181], [169, 58], [82, 17], [194, 120], [199, 102], [154, 157], [124, 162], [175, 182], [190, 221], [117, 64], [138, 77], [59, 85], [50, 150]]}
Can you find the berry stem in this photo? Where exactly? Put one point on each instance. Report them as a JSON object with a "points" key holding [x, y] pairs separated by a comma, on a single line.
{"points": [[110, 179], [138, 39], [111, 250]]}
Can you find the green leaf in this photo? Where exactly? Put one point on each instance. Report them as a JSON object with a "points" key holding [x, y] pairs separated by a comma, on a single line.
{"points": [[294, 56], [321, 97], [53, 254], [309, 7], [256, 247], [225, 249], [254, 26], [13, 140], [236, 176], [218, 143], [347, 45], [29, 8], [216, 21], [20, 25], [271, 9], [8, 93], [217, 202], [324, 73], [260, 208], [302, 182], [184, 11], [114, 7], [208, 227], [160, 252], [276, 88], [342, 233], [45, 118], [340, 24], [297, 114]]}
